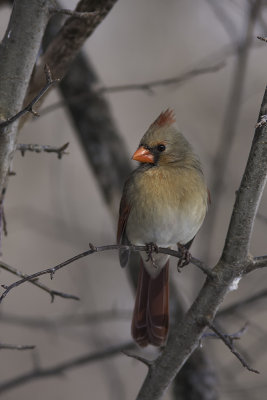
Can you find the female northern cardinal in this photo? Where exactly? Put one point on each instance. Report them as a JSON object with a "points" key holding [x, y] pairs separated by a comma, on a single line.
{"points": [[164, 203]]}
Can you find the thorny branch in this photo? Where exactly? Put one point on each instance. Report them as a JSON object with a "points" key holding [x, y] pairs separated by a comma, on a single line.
{"points": [[228, 341], [51, 271], [53, 293], [29, 107], [38, 148]]}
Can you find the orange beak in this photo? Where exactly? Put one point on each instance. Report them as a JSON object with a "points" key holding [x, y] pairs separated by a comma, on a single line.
{"points": [[143, 155]]}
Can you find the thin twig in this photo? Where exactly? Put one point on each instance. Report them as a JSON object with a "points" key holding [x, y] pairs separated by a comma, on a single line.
{"points": [[29, 108], [52, 270], [71, 13], [257, 262], [229, 343], [144, 86], [41, 373], [143, 360], [53, 293], [232, 336], [264, 39], [38, 148], [4, 346]]}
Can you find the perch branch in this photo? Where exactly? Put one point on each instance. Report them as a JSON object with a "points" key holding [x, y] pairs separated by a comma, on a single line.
{"points": [[52, 270], [53, 293]]}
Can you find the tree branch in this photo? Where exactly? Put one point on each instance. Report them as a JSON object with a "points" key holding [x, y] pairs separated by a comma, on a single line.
{"points": [[53, 293], [68, 41], [4, 346], [29, 108], [24, 28], [58, 369], [74, 14], [228, 341], [51, 271], [38, 148]]}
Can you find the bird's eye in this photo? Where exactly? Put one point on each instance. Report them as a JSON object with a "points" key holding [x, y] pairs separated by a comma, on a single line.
{"points": [[161, 147]]}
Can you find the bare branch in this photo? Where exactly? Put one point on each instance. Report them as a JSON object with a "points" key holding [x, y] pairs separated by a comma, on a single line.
{"points": [[231, 336], [51, 271], [256, 263], [29, 108], [38, 148], [149, 86], [65, 320], [74, 14], [145, 86], [264, 39], [14, 79], [43, 373], [65, 46], [229, 343], [4, 346], [143, 360], [53, 293]]}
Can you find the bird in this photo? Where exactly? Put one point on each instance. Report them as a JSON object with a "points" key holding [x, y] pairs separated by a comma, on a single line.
{"points": [[163, 204]]}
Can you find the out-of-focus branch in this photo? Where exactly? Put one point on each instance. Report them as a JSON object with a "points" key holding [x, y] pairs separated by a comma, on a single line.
{"points": [[51, 271], [105, 150], [67, 43], [59, 369], [53, 293], [4, 346], [232, 308], [65, 320], [39, 148], [144, 86], [71, 13]]}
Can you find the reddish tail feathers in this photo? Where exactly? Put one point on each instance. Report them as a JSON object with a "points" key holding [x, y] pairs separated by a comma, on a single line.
{"points": [[150, 321]]}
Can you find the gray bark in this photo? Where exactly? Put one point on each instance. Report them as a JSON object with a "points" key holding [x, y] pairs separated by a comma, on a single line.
{"points": [[18, 53]]}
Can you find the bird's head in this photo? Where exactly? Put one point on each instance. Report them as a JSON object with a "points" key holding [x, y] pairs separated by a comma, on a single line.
{"points": [[163, 144]]}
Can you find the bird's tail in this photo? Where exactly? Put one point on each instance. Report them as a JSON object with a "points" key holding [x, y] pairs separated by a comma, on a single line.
{"points": [[150, 321]]}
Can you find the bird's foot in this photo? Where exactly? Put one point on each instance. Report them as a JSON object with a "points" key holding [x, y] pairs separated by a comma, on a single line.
{"points": [[185, 256], [150, 248]]}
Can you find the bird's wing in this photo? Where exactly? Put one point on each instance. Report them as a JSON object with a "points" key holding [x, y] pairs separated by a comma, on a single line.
{"points": [[121, 231]]}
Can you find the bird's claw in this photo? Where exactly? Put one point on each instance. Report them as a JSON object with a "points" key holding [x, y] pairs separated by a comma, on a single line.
{"points": [[150, 248], [185, 257]]}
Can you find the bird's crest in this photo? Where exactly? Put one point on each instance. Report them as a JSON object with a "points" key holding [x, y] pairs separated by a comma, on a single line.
{"points": [[164, 119]]}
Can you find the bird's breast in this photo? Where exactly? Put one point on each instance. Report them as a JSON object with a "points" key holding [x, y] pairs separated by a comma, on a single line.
{"points": [[167, 206]]}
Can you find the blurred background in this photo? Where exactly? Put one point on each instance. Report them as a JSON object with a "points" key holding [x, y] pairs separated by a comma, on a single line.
{"points": [[54, 208]]}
